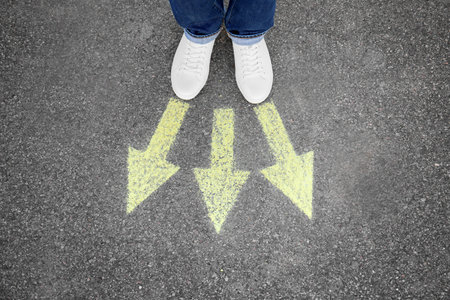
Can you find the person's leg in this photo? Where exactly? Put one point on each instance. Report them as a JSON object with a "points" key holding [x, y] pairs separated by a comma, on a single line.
{"points": [[249, 19], [201, 21], [246, 22], [199, 18]]}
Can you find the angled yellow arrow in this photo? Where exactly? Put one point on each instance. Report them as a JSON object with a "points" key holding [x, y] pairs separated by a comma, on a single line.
{"points": [[292, 174], [148, 170], [220, 184]]}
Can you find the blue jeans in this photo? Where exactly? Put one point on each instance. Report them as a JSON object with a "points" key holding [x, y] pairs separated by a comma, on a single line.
{"points": [[246, 21]]}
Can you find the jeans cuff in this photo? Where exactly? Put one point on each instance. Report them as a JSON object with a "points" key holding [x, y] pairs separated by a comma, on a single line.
{"points": [[246, 40], [201, 39]]}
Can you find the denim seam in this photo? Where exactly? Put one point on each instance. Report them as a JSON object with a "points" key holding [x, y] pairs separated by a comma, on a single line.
{"points": [[230, 9], [220, 9], [203, 36], [246, 36]]}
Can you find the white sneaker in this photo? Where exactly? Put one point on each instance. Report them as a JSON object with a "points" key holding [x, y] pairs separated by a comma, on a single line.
{"points": [[190, 68], [254, 73]]}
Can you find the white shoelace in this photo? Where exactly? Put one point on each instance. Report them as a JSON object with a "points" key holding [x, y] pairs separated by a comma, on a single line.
{"points": [[194, 60], [252, 64]]}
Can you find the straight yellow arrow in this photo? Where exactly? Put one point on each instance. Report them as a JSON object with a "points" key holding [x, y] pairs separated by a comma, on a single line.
{"points": [[220, 184], [148, 170], [292, 174]]}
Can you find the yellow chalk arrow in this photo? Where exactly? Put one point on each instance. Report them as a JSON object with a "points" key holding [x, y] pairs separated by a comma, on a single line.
{"points": [[292, 174], [148, 170], [220, 184]]}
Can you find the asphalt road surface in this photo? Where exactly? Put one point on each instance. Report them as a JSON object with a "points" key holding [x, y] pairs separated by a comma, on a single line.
{"points": [[364, 85]]}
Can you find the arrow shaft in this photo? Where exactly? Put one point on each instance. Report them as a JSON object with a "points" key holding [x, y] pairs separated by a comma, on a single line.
{"points": [[220, 184], [167, 129], [222, 139], [274, 130]]}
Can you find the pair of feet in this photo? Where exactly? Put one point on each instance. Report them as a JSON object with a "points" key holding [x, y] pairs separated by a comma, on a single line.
{"points": [[190, 69]]}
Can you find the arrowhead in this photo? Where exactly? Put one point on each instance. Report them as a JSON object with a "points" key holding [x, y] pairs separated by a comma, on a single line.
{"points": [[294, 177], [220, 188], [146, 174]]}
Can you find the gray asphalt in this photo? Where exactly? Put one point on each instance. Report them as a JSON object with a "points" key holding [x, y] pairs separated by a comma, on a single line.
{"points": [[363, 84]]}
